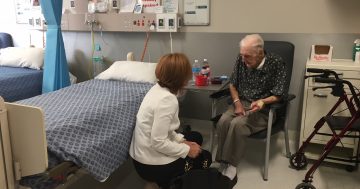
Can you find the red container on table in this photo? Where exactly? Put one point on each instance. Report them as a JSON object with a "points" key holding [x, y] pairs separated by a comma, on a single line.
{"points": [[201, 80]]}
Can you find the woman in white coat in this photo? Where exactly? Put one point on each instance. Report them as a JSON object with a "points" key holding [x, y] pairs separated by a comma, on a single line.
{"points": [[158, 151]]}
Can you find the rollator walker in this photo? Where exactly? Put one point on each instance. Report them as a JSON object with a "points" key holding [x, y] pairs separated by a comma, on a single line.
{"points": [[340, 126]]}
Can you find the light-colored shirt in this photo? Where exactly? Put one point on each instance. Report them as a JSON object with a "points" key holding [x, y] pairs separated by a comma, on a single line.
{"points": [[261, 64], [154, 140]]}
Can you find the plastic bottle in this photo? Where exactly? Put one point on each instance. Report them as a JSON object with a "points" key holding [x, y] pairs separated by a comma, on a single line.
{"points": [[205, 71], [98, 60], [356, 51], [196, 68]]}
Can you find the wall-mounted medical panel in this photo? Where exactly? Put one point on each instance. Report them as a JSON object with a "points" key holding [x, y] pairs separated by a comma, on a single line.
{"points": [[127, 22]]}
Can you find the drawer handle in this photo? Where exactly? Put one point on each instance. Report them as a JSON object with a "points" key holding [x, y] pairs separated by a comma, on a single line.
{"points": [[320, 95]]}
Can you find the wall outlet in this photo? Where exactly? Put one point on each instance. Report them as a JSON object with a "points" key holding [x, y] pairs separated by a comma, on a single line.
{"points": [[166, 22]]}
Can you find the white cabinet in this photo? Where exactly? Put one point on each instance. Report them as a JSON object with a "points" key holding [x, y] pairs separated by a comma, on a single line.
{"points": [[317, 103]]}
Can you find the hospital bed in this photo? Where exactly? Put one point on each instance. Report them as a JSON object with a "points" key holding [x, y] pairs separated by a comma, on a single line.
{"points": [[17, 83], [89, 124]]}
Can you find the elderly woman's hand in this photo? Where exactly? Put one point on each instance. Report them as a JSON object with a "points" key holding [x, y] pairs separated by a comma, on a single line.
{"points": [[239, 109], [257, 105]]}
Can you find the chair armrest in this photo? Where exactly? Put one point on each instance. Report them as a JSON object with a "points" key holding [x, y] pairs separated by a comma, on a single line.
{"points": [[226, 92], [289, 97], [220, 93], [283, 101]]}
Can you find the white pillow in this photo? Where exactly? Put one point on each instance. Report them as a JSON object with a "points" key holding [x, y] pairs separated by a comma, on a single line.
{"points": [[130, 71], [29, 57]]}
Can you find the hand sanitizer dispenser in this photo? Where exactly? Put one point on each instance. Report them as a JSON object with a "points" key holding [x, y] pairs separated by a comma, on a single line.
{"points": [[356, 51]]}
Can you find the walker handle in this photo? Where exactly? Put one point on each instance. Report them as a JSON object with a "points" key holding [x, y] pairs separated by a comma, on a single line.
{"points": [[315, 70], [340, 81], [326, 80], [325, 72]]}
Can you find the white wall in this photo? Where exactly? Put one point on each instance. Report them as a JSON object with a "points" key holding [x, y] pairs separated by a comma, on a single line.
{"points": [[21, 33], [279, 16], [282, 16], [7, 18]]}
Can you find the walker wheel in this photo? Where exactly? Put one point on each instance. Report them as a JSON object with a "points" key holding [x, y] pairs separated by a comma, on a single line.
{"points": [[298, 161], [305, 186]]}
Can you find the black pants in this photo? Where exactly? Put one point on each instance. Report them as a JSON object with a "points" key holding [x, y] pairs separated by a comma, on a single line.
{"points": [[163, 174]]}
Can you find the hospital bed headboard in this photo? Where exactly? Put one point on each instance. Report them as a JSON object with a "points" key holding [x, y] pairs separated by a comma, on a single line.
{"points": [[28, 139]]}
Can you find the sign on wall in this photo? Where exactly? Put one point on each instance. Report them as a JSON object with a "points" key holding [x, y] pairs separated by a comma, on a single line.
{"points": [[22, 11], [196, 12], [150, 5]]}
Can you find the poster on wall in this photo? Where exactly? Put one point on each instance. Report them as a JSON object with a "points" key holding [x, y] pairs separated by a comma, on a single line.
{"points": [[196, 12], [149, 6], [22, 11]]}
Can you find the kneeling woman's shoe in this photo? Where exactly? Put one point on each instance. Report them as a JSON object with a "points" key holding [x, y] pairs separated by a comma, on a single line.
{"points": [[226, 183], [233, 181]]}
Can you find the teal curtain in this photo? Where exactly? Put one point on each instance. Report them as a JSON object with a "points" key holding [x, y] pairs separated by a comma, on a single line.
{"points": [[56, 73]]}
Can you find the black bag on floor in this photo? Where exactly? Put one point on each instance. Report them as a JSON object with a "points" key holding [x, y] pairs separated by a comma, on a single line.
{"points": [[203, 161], [209, 178]]}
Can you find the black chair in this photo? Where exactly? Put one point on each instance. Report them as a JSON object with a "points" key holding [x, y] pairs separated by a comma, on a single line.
{"points": [[286, 51]]}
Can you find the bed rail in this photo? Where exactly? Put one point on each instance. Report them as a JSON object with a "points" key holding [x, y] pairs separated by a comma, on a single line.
{"points": [[28, 139], [23, 146], [7, 179]]}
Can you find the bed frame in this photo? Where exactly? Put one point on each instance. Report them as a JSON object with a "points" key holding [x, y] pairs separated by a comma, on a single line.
{"points": [[23, 149]]}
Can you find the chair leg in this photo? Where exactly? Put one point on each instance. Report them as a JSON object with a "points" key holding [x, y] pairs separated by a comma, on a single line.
{"points": [[286, 131], [212, 132], [212, 136], [267, 151], [287, 145]]}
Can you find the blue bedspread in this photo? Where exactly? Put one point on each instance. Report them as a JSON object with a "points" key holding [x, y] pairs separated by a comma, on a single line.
{"points": [[19, 83], [91, 123]]}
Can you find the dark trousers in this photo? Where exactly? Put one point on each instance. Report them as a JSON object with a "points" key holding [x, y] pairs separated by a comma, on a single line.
{"points": [[163, 174]]}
